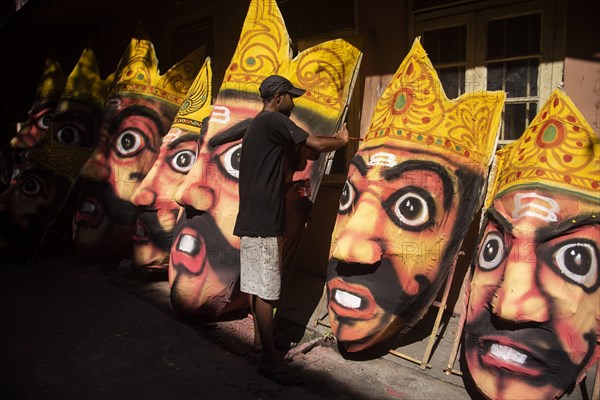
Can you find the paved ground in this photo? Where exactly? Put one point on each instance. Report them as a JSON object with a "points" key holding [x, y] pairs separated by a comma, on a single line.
{"points": [[76, 330]]}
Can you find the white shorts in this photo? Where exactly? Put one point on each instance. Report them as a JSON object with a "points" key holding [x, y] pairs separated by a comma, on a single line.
{"points": [[260, 259]]}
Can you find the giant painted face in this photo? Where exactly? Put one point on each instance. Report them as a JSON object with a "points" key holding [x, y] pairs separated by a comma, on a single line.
{"points": [[533, 317], [155, 196], [41, 114], [137, 115], [204, 265], [42, 184], [412, 190]]}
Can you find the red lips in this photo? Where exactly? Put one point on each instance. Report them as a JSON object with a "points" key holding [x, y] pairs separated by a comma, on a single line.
{"points": [[89, 212], [531, 367], [367, 305], [193, 258]]}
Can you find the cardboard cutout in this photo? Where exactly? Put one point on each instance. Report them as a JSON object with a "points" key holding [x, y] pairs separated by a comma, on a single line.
{"points": [[412, 189], [204, 267], [533, 316], [155, 196], [40, 187], [41, 114], [138, 113]]}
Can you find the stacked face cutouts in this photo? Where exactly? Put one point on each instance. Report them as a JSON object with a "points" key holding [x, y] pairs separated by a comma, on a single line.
{"points": [[42, 184], [412, 189], [155, 196], [533, 315], [41, 114], [204, 267], [137, 114]]}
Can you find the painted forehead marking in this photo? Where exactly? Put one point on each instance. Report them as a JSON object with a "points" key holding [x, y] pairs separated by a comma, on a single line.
{"points": [[173, 134], [383, 159], [220, 115], [536, 206]]}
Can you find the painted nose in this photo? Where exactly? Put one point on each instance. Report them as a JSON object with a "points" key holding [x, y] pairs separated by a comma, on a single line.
{"points": [[359, 240], [144, 197], [197, 188], [519, 297], [96, 167]]}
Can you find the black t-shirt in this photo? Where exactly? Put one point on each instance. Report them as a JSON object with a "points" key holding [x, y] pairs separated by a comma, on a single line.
{"points": [[269, 138]]}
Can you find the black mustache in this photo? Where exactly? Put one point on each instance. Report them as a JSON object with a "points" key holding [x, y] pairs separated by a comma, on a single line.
{"points": [[540, 338], [223, 258], [118, 210], [156, 234]]}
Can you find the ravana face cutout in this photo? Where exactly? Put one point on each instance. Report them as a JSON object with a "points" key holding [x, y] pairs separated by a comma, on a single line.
{"points": [[533, 320]]}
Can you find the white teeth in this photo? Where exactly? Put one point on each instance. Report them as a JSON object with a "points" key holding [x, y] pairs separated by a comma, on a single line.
{"points": [[187, 243], [508, 354], [347, 300], [88, 207]]}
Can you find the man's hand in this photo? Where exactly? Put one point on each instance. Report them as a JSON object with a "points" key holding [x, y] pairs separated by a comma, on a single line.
{"points": [[342, 133]]}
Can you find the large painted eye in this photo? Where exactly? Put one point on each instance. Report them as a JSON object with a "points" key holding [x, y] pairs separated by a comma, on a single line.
{"points": [[491, 253], [347, 198], [69, 135], [44, 121], [129, 143], [231, 160], [183, 161], [31, 187], [577, 260], [411, 208]]}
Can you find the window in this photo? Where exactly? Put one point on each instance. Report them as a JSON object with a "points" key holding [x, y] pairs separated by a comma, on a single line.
{"points": [[487, 46]]}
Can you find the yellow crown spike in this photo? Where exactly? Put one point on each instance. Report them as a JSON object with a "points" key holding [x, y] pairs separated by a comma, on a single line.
{"points": [[559, 149], [197, 104], [264, 44], [84, 82], [52, 82], [414, 108], [327, 72], [138, 74]]}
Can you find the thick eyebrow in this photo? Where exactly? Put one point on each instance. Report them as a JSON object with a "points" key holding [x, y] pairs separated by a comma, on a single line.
{"points": [[500, 220], [135, 110], [83, 118], [360, 165], [188, 137], [37, 107], [414, 165], [567, 224], [230, 134]]}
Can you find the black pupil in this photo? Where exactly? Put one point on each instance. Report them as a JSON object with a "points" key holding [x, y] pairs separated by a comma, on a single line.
{"points": [[30, 186], [128, 141], [410, 208], [578, 260], [46, 120], [491, 250], [67, 135], [235, 159], [183, 159]]}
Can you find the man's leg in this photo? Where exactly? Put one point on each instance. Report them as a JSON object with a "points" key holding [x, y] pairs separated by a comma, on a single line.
{"points": [[257, 345], [263, 310]]}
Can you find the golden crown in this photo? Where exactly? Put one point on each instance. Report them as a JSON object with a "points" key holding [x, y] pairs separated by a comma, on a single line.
{"points": [[197, 104], [414, 108], [84, 82], [52, 82], [558, 149], [138, 74], [327, 71]]}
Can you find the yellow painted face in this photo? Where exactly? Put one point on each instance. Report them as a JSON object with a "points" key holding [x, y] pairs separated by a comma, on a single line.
{"points": [[155, 197], [130, 137], [533, 317], [399, 218]]}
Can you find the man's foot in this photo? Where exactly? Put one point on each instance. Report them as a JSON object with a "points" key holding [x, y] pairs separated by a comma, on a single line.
{"points": [[286, 377]]}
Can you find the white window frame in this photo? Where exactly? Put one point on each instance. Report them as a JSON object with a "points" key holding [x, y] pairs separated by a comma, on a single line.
{"points": [[476, 16]]}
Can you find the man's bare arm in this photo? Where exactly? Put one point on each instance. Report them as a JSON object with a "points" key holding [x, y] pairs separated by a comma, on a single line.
{"points": [[327, 144]]}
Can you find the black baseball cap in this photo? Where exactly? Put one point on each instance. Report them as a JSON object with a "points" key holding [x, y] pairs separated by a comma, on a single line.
{"points": [[278, 84]]}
